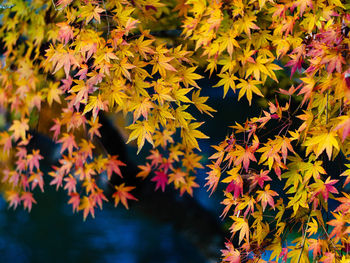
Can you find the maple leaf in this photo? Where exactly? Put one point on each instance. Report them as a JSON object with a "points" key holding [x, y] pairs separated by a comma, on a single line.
{"points": [[58, 178], [95, 104], [241, 225], [19, 129], [142, 108], [213, 177], [90, 185], [74, 201], [230, 254], [33, 160], [259, 178], [244, 156], [65, 33], [89, 12], [141, 130], [54, 93], [94, 127], [156, 157], [324, 188], [143, 46], [199, 102], [190, 134], [246, 24], [315, 246], [63, 58], [344, 126], [257, 67], [161, 65], [334, 61], [177, 177], [323, 141], [345, 203], [188, 186], [228, 81], [123, 66], [179, 95], [276, 248], [113, 165], [328, 257], [37, 179], [163, 138], [98, 197], [228, 41], [188, 77], [182, 117], [249, 87], [86, 204], [122, 194], [228, 202], [86, 171], [68, 142], [339, 225], [70, 185], [235, 182], [13, 197], [64, 3], [161, 179], [56, 128], [6, 141], [28, 200], [145, 170], [266, 197], [296, 59]]}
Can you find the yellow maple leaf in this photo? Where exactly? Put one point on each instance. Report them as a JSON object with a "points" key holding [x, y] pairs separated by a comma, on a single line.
{"points": [[190, 134], [242, 226], [141, 130], [228, 81], [323, 141], [247, 88], [19, 129]]}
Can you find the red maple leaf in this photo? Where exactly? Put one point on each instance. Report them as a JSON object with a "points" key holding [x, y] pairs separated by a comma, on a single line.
{"points": [[161, 178], [259, 179]]}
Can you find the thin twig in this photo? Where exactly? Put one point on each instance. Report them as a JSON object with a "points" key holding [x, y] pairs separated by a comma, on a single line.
{"points": [[330, 240], [327, 108], [54, 5], [304, 239], [104, 6]]}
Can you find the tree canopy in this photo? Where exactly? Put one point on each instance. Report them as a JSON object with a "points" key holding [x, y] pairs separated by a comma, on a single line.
{"points": [[65, 63]]}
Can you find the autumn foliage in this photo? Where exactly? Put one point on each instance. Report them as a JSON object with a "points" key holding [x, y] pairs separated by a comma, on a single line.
{"points": [[65, 62]]}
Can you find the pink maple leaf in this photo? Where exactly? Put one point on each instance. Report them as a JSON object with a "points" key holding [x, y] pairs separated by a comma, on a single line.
{"points": [[161, 178]]}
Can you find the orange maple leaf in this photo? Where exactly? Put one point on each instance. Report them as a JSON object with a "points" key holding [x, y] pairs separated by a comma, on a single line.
{"points": [[122, 194]]}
